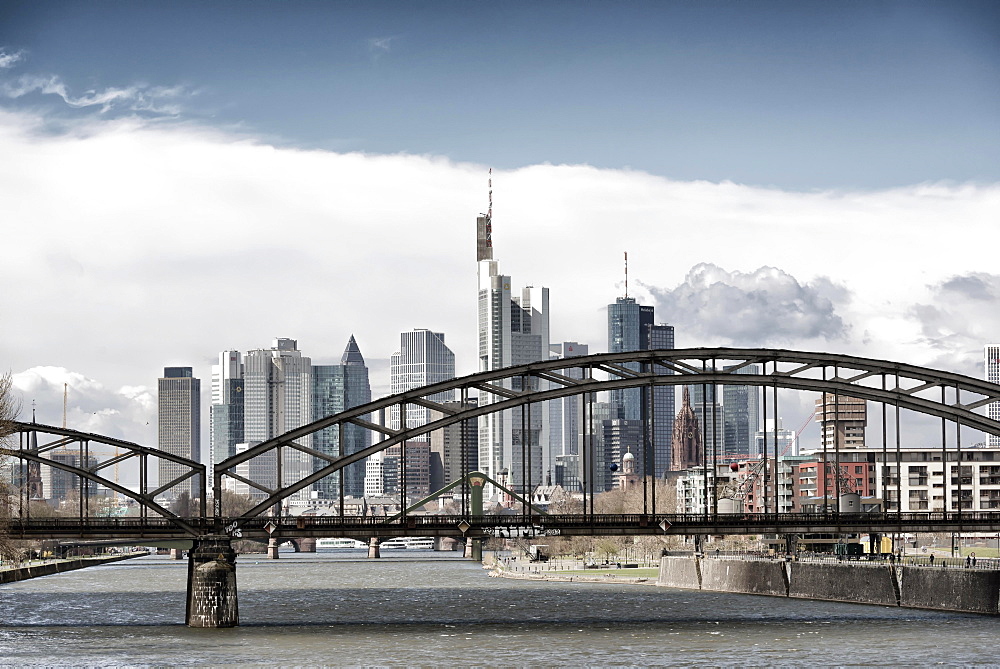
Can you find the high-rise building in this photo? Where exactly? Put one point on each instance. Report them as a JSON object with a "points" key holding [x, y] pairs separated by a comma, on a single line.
{"points": [[277, 397], [710, 416], [740, 414], [842, 421], [337, 388], [513, 330], [422, 359], [454, 449], [631, 327], [661, 337], [179, 426], [226, 412], [627, 320], [992, 359], [564, 414]]}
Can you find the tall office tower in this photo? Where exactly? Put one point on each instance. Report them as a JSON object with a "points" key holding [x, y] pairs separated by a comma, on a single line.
{"points": [[740, 412], [226, 412], [277, 397], [627, 321], [512, 331], [179, 419], [592, 472], [631, 328], [375, 475], [417, 471], [688, 449], [710, 415], [842, 421], [661, 337], [337, 388], [992, 356], [422, 359], [454, 449], [564, 413]]}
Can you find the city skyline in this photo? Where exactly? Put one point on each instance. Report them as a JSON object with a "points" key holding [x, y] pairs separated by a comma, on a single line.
{"points": [[145, 187]]}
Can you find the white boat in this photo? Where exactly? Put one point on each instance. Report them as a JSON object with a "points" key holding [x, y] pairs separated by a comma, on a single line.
{"points": [[340, 544], [420, 543], [390, 544], [411, 543]]}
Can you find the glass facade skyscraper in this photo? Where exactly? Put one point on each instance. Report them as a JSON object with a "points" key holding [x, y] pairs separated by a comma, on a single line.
{"points": [[337, 388], [631, 327], [422, 359], [992, 360], [179, 426]]}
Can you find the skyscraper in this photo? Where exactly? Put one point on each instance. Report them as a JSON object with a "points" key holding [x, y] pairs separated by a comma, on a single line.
{"points": [[422, 359], [512, 331], [710, 416], [564, 415], [740, 411], [337, 388], [842, 421], [226, 413], [631, 328], [277, 397], [992, 359], [179, 426]]}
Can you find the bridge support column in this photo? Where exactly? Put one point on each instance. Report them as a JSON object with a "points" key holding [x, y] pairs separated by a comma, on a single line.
{"points": [[211, 594], [272, 549], [307, 545], [176, 553], [373, 548]]}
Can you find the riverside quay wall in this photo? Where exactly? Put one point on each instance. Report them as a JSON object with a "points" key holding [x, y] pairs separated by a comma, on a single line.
{"points": [[14, 574], [909, 586]]}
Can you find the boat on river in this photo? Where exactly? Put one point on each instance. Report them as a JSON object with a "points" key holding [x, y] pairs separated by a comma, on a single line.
{"points": [[410, 543], [340, 544]]}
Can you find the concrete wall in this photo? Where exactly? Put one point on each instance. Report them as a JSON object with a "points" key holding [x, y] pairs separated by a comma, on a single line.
{"points": [[970, 590], [59, 566], [752, 577], [866, 584], [950, 589]]}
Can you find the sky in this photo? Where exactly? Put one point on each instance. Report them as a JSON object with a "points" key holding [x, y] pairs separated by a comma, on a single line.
{"points": [[182, 178]]}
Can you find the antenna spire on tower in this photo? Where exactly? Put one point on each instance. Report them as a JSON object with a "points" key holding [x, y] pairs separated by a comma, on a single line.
{"points": [[626, 275]]}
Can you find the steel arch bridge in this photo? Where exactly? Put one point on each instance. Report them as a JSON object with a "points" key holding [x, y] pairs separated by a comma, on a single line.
{"points": [[945, 395], [949, 396]]}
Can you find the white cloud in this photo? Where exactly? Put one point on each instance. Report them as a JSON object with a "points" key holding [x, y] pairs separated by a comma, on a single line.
{"points": [[9, 60], [142, 245], [127, 413], [138, 98]]}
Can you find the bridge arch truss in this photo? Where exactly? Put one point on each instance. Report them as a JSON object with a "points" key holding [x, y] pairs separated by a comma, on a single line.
{"points": [[951, 397], [32, 446]]}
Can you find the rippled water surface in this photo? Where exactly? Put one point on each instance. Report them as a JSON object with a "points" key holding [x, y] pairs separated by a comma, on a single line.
{"points": [[435, 609]]}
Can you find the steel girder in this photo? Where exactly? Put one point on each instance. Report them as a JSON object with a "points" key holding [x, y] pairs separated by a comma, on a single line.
{"points": [[946, 395], [29, 449]]}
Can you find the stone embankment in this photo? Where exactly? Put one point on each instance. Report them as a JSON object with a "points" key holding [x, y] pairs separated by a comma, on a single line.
{"points": [[909, 586], [49, 567]]}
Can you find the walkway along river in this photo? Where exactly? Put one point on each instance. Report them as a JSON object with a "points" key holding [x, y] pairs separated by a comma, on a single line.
{"points": [[428, 608]]}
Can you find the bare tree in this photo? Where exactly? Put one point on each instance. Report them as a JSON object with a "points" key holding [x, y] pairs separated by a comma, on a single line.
{"points": [[10, 407]]}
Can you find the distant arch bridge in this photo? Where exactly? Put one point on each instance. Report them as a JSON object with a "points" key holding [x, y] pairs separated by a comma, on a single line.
{"points": [[951, 397]]}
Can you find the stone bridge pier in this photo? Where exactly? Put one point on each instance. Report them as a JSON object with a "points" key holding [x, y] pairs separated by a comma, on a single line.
{"points": [[211, 594]]}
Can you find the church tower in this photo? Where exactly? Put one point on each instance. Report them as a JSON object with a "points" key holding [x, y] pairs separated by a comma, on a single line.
{"points": [[686, 448]]}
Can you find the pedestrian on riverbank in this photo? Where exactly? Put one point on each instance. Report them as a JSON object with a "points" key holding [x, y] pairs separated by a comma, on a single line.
{"points": [[932, 559]]}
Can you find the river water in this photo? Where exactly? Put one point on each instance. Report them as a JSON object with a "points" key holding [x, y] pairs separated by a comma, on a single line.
{"points": [[425, 608]]}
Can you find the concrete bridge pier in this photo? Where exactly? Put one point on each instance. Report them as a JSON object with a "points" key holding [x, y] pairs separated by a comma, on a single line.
{"points": [[211, 594], [272, 548], [373, 548]]}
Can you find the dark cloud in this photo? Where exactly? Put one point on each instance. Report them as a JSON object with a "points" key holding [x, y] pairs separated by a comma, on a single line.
{"points": [[761, 308], [977, 286], [961, 316]]}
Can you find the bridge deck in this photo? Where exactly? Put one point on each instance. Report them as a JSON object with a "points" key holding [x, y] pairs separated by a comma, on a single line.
{"points": [[262, 527]]}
